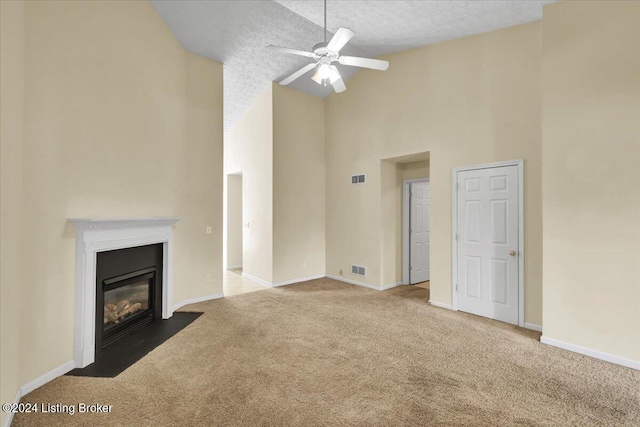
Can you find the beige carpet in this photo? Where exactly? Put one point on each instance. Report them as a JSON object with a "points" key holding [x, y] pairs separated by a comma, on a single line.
{"points": [[423, 285], [327, 353]]}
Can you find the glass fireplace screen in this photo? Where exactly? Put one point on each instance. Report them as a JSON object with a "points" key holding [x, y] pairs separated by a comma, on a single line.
{"points": [[125, 302]]}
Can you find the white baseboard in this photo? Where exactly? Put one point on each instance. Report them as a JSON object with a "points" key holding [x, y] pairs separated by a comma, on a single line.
{"points": [[320, 276], [9, 419], [301, 279], [257, 279], [45, 378], [352, 282], [392, 285], [442, 305], [195, 300], [607, 357], [285, 283], [533, 327], [364, 285], [233, 267]]}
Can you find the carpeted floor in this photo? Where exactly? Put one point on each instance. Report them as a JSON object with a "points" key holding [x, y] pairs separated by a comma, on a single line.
{"points": [[327, 353], [423, 285]]}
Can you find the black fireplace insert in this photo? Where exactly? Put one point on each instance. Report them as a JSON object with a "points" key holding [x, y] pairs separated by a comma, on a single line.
{"points": [[128, 293], [127, 303]]}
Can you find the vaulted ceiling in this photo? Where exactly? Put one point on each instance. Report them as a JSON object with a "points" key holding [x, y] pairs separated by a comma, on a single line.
{"points": [[237, 32]]}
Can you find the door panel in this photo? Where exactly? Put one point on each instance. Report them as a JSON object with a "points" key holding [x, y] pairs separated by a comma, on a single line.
{"points": [[487, 220], [499, 281], [473, 221], [499, 221], [419, 238], [473, 276]]}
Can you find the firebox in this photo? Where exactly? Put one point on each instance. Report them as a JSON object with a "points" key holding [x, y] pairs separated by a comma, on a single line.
{"points": [[128, 293], [127, 303]]}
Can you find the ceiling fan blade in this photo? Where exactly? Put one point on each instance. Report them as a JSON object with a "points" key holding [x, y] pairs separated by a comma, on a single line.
{"points": [[298, 73], [340, 38], [354, 61], [339, 86], [293, 51]]}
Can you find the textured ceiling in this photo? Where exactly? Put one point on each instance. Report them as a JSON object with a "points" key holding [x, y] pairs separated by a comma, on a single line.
{"points": [[236, 33], [391, 26]]}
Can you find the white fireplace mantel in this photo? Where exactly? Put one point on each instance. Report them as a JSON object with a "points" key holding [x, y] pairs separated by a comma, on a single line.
{"points": [[95, 235]]}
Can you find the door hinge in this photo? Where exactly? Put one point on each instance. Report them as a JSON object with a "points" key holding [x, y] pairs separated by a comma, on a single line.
{"points": [[456, 237], [457, 186], [456, 287], [410, 267]]}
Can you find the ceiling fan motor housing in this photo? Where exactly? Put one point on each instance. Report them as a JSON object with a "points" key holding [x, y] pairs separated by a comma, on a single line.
{"points": [[321, 50]]}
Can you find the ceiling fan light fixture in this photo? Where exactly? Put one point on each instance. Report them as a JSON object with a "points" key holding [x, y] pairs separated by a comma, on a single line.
{"points": [[333, 74], [326, 72]]}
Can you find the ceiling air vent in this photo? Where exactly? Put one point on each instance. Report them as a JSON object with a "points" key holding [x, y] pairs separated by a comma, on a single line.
{"points": [[358, 179], [360, 271]]}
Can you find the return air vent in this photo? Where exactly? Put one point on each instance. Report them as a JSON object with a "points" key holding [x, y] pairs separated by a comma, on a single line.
{"points": [[358, 179], [360, 271]]}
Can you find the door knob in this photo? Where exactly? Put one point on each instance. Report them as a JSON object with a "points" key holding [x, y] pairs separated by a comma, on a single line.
{"points": [[512, 253]]}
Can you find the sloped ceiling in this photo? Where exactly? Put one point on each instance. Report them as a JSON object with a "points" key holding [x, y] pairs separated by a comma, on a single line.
{"points": [[237, 32]]}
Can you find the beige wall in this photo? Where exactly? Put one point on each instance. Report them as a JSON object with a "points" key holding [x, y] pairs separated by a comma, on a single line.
{"points": [[249, 149], [469, 101], [278, 146], [199, 183], [11, 137], [234, 221], [591, 175], [413, 170], [298, 185], [119, 121], [390, 222]]}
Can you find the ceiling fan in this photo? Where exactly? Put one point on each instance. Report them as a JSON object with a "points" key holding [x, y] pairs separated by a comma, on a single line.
{"points": [[325, 54]]}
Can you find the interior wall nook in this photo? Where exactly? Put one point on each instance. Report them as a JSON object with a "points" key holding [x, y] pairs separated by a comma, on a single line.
{"points": [[278, 146]]}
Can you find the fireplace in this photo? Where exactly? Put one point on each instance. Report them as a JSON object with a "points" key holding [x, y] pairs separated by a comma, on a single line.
{"points": [[128, 293], [96, 238]]}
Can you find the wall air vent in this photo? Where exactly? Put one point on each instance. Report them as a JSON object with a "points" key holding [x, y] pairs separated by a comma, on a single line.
{"points": [[358, 179], [360, 271]]}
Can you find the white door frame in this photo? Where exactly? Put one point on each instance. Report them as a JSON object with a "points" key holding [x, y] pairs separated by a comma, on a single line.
{"points": [[520, 164], [406, 239]]}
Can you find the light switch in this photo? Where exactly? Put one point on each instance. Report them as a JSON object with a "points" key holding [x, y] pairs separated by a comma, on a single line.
{"points": [[208, 229]]}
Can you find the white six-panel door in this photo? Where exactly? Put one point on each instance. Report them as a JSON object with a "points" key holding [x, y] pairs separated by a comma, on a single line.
{"points": [[419, 232], [487, 242]]}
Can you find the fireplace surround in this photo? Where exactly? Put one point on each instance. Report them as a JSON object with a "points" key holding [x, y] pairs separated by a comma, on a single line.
{"points": [[96, 236]]}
